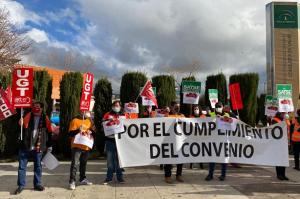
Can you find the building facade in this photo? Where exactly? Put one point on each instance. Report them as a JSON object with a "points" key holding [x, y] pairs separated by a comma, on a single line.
{"points": [[282, 42]]}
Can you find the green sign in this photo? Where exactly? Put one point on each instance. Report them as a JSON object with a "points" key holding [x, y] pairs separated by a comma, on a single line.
{"points": [[212, 93], [190, 86], [285, 16], [270, 100], [284, 91]]}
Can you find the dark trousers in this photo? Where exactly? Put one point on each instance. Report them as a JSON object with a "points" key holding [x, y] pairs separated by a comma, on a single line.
{"points": [[79, 157], [212, 169], [296, 151], [168, 170], [112, 161], [280, 171], [24, 155]]}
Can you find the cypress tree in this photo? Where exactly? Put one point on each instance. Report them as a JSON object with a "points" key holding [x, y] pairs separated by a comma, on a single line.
{"points": [[165, 87], [248, 86], [260, 115], [70, 93], [42, 89], [103, 97], [216, 82], [130, 87]]}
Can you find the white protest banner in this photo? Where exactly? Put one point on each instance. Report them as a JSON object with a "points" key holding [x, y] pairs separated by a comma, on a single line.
{"points": [[271, 105], [284, 94], [113, 126], [155, 141], [191, 92], [213, 97], [131, 107], [83, 139]]}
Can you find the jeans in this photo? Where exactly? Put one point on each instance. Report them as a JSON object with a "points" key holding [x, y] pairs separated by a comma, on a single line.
{"points": [[212, 166], [79, 157], [24, 155], [112, 161], [168, 170]]}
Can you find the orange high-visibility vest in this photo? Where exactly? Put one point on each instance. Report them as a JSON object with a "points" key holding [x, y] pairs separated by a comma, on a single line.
{"points": [[296, 134]]}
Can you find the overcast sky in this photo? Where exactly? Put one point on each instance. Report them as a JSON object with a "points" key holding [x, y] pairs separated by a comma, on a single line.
{"points": [[178, 37]]}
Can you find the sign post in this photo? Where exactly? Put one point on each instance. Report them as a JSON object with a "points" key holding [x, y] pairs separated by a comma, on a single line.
{"points": [[22, 90]]}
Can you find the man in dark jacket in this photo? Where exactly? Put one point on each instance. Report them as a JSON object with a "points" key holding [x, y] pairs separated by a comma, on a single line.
{"points": [[36, 139]]}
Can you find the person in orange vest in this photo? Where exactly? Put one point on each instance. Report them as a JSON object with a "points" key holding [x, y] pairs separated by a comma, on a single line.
{"points": [[80, 153], [174, 113], [280, 171], [197, 113], [295, 137], [111, 147]]}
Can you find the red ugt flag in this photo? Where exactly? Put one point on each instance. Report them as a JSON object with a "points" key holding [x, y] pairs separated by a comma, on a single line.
{"points": [[235, 96], [87, 92], [6, 108], [148, 92]]}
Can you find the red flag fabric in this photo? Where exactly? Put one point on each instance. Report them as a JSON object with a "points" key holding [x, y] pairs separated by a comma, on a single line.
{"points": [[6, 108], [87, 92], [148, 92], [22, 87], [9, 94], [235, 96]]}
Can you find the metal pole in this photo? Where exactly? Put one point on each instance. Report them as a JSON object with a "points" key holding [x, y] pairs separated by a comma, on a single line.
{"points": [[22, 112]]}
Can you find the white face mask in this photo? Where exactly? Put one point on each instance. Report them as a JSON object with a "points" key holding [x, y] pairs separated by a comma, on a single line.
{"points": [[286, 116], [219, 110], [204, 112], [116, 109], [196, 112], [87, 114]]}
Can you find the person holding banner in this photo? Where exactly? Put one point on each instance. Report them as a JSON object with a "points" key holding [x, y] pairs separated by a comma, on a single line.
{"points": [[218, 113], [35, 140], [116, 113], [280, 171], [174, 113], [295, 137], [80, 126], [197, 113]]}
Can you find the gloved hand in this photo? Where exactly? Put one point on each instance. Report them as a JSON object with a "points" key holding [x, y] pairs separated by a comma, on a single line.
{"points": [[49, 150]]}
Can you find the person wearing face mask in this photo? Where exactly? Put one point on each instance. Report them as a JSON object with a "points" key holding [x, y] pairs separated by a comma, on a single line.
{"points": [[80, 153], [197, 113], [280, 171], [110, 145], [217, 113], [174, 113], [36, 139]]}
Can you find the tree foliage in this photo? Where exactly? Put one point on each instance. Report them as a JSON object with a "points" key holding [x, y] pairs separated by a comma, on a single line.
{"points": [[165, 89], [216, 82]]}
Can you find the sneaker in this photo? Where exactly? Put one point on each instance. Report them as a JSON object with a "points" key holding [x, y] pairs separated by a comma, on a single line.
{"points": [[222, 178], [280, 177], [85, 182], [106, 182], [168, 180], [121, 181], [209, 178], [285, 178], [39, 188], [19, 190], [72, 186], [179, 179]]}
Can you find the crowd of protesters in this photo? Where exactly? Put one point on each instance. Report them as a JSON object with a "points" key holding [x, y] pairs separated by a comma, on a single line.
{"points": [[36, 139]]}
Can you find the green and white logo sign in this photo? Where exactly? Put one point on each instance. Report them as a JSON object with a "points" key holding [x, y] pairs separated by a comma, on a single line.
{"points": [[191, 86], [213, 97], [271, 105], [191, 92], [285, 16], [284, 95]]}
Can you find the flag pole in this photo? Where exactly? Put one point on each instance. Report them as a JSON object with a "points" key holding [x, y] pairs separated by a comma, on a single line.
{"points": [[22, 111], [141, 91]]}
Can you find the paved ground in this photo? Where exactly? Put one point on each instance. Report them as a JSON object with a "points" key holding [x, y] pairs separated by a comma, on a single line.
{"points": [[147, 182]]}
